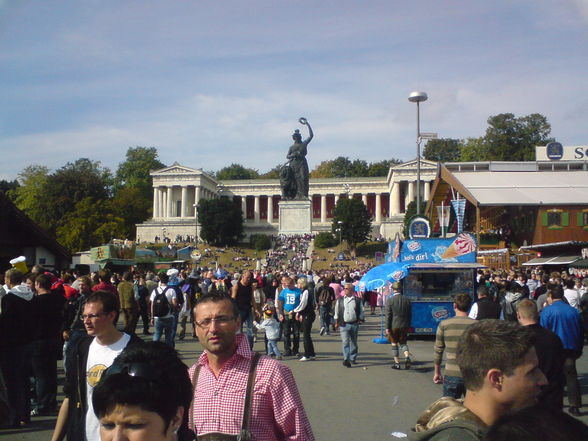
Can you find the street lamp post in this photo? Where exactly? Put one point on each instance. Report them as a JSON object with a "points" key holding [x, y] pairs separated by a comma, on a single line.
{"points": [[418, 97], [339, 230]]}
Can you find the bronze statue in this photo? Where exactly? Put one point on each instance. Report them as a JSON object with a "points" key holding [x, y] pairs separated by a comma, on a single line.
{"points": [[294, 174]]}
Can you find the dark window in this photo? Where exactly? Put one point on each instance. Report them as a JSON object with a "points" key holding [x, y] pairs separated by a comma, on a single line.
{"points": [[554, 218], [585, 218]]}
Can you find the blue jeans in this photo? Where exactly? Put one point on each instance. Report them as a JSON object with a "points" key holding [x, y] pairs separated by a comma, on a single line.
{"points": [[349, 339], [453, 387], [164, 324], [272, 348], [247, 325], [325, 317]]}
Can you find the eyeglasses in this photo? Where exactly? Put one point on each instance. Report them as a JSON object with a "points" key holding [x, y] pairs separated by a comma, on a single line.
{"points": [[220, 320], [92, 316]]}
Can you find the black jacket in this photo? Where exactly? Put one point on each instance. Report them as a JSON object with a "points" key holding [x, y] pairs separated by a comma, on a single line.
{"points": [[74, 388]]}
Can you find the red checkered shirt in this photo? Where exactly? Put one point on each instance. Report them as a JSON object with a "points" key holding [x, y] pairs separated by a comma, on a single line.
{"points": [[276, 409]]}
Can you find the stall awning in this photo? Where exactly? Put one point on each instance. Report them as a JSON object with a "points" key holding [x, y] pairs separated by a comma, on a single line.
{"points": [[562, 259], [446, 266], [582, 263]]}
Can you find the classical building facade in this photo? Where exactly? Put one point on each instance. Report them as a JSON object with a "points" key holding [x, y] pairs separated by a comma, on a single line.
{"points": [[177, 189]]}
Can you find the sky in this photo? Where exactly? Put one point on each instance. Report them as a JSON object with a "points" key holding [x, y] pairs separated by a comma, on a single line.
{"points": [[214, 82]]}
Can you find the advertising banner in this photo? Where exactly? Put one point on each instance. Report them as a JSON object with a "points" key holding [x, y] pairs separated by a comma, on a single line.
{"points": [[461, 248]]}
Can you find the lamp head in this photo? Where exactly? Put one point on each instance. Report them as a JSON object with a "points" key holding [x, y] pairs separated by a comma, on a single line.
{"points": [[417, 97]]}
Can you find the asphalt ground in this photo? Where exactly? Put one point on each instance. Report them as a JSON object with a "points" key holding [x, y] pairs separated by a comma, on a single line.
{"points": [[367, 402]]}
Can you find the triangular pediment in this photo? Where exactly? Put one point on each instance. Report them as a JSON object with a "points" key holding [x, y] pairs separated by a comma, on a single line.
{"points": [[425, 163], [176, 169]]}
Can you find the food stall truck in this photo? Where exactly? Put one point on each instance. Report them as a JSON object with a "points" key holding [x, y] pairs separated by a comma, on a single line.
{"points": [[431, 271]]}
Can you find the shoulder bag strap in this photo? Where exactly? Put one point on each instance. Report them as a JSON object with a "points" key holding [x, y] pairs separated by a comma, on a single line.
{"points": [[245, 435]]}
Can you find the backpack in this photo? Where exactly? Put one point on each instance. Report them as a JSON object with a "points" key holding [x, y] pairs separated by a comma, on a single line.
{"points": [[161, 306]]}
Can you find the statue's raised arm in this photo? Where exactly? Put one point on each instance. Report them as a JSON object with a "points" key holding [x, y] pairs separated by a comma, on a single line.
{"points": [[305, 122]]}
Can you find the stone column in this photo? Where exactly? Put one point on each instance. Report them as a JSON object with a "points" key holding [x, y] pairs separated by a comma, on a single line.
{"points": [[410, 194], [336, 199], [256, 209], [395, 199], [427, 193], [378, 207], [364, 197], [323, 208], [196, 200], [270, 209], [154, 202], [168, 211], [244, 206], [184, 211]]}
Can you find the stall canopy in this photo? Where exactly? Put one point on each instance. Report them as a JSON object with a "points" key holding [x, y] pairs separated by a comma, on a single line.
{"points": [[563, 259]]}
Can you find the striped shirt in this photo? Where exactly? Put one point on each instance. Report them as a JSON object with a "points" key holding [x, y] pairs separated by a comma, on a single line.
{"points": [[277, 412], [448, 334]]}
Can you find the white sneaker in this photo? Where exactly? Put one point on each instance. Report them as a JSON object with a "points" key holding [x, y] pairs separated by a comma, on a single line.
{"points": [[322, 331], [305, 359]]}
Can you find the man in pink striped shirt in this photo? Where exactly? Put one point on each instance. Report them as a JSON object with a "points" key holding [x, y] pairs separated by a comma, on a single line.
{"points": [[222, 372]]}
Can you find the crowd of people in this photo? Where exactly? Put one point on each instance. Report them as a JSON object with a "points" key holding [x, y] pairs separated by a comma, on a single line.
{"points": [[516, 344]]}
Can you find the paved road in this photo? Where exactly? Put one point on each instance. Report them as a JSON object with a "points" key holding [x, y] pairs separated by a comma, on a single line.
{"points": [[364, 403]]}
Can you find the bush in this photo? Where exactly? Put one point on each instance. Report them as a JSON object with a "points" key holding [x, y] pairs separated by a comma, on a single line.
{"points": [[260, 242], [325, 240]]}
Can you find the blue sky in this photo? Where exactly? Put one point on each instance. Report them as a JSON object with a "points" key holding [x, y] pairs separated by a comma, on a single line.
{"points": [[214, 82]]}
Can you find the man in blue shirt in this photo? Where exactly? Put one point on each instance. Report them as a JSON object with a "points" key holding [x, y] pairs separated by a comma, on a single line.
{"points": [[565, 321], [288, 300]]}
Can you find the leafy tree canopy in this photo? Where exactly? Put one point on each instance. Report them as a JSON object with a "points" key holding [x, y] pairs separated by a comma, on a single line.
{"points": [[274, 173], [71, 184], [443, 150], [8, 186], [134, 171], [221, 221], [342, 167], [356, 223], [131, 205], [236, 171], [90, 223], [509, 138], [29, 195]]}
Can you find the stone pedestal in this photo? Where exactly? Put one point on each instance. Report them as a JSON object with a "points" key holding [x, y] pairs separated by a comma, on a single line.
{"points": [[295, 217]]}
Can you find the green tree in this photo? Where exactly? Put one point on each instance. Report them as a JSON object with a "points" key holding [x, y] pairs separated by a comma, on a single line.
{"points": [[90, 223], [381, 168], [325, 239], [339, 167], [131, 205], [356, 224], [509, 138], [8, 186], [443, 150], [221, 221], [474, 149], [273, 173], [71, 184], [514, 139], [135, 171], [30, 195], [236, 171], [260, 242]]}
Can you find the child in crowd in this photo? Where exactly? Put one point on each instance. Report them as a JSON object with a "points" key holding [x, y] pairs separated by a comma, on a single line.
{"points": [[272, 330]]}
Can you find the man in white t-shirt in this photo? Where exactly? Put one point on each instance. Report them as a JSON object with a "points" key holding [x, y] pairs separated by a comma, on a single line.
{"points": [[93, 355]]}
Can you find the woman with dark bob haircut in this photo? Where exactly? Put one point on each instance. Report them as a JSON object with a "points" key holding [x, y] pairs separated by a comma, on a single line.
{"points": [[144, 396]]}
